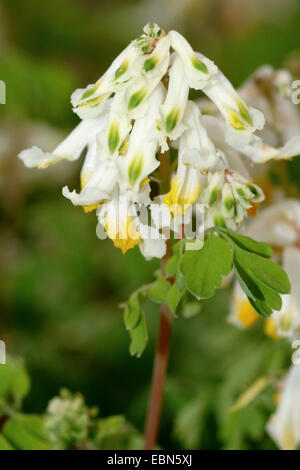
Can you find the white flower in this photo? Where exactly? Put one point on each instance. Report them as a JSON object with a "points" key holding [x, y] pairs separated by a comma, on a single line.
{"points": [[176, 100], [70, 149], [98, 187], [277, 225], [199, 69], [140, 107], [185, 185], [140, 159], [199, 151], [287, 320], [241, 121], [284, 425], [121, 222], [270, 91], [228, 197]]}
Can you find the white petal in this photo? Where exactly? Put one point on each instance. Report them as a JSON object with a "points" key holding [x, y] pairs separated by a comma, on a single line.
{"points": [[176, 100], [284, 425], [199, 150], [199, 69], [69, 149]]}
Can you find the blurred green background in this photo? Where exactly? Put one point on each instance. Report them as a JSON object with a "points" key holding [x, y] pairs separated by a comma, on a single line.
{"points": [[60, 286]]}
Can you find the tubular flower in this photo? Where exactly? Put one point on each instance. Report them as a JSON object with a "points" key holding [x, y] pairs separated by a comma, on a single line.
{"points": [[284, 425], [139, 109], [122, 222], [270, 91], [229, 196]]}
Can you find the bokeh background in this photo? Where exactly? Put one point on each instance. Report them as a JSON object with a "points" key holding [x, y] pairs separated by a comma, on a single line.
{"points": [[60, 287]]}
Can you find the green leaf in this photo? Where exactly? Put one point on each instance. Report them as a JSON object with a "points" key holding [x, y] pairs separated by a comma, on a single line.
{"points": [[248, 244], [132, 311], [159, 291], [4, 444], [14, 382], [135, 322], [172, 265], [261, 279], [26, 432], [173, 298], [203, 269], [139, 337]]}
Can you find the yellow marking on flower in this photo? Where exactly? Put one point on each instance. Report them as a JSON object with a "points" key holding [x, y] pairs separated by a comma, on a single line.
{"points": [[135, 169], [94, 101], [47, 164], [270, 328], [127, 238], [277, 398], [124, 146], [246, 314], [178, 197], [83, 180], [288, 438], [145, 181], [235, 121], [286, 320]]}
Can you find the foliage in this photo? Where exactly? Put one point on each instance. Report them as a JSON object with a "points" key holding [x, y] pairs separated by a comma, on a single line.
{"points": [[67, 423], [60, 289]]}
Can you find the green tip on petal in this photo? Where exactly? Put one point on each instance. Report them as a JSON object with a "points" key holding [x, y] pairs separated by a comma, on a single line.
{"points": [[137, 98], [213, 197], [121, 70], [199, 65], [245, 113], [228, 203], [89, 92], [149, 64], [172, 119], [253, 189], [241, 193], [135, 169], [113, 138]]}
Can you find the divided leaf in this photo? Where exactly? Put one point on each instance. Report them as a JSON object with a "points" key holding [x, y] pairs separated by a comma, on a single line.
{"points": [[261, 279], [248, 244], [139, 337], [159, 290], [174, 297], [25, 433], [203, 269], [135, 322]]}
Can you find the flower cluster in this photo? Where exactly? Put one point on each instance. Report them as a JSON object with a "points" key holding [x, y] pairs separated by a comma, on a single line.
{"points": [[139, 109], [67, 420]]}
